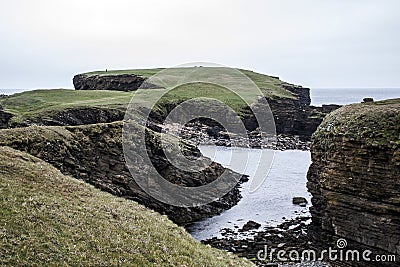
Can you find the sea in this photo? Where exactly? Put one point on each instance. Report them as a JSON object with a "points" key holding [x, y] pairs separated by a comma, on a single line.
{"points": [[269, 205], [344, 96]]}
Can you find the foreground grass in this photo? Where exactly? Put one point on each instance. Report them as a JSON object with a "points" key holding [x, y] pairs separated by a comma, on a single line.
{"points": [[48, 219]]}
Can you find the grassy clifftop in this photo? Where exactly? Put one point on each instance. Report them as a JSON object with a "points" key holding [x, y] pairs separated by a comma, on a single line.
{"points": [[271, 86], [47, 218]]}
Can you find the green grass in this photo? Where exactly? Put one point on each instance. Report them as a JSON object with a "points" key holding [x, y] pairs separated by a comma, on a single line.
{"points": [[270, 86], [49, 219], [375, 123], [40, 100]]}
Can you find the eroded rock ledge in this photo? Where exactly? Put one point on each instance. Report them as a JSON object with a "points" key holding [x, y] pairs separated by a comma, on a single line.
{"points": [[355, 179], [94, 154]]}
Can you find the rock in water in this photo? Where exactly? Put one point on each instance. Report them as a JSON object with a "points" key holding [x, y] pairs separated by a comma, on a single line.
{"points": [[250, 225], [368, 100], [299, 201]]}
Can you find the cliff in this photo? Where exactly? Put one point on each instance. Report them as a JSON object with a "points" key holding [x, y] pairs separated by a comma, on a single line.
{"points": [[50, 219], [93, 153], [354, 179]]}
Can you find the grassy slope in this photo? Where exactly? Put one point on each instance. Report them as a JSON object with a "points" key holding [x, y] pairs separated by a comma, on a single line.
{"points": [[50, 219]]}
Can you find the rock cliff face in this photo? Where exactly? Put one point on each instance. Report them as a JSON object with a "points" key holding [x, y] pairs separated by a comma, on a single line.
{"points": [[303, 94], [94, 154], [355, 179], [294, 116], [122, 82]]}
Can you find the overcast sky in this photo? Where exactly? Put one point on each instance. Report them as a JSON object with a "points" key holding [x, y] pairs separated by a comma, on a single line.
{"points": [[353, 43]]}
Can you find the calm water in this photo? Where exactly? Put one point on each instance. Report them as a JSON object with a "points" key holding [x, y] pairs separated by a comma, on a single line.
{"points": [[271, 202], [287, 178], [349, 96]]}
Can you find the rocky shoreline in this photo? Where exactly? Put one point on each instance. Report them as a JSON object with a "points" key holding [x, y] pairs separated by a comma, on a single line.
{"points": [[291, 235], [203, 134]]}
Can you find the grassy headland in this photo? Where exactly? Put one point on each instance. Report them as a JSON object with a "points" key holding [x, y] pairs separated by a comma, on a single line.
{"points": [[27, 106], [270, 86]]}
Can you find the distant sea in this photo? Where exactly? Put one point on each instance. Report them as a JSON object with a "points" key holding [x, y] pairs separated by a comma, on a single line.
{"points": [[345, 96], [320, 96]]}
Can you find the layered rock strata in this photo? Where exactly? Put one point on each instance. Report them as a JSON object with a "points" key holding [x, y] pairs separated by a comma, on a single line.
{"points": [[121, 82], [355, 180]]}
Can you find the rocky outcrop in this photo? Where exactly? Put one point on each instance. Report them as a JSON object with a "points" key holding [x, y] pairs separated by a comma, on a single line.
{"points": [[302, 93], [94, 154], [5, 117], [355, 180], [121, 82], [292, 116]]}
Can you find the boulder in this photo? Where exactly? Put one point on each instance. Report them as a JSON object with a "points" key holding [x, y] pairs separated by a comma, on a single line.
{"points": [[250, 225]]}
